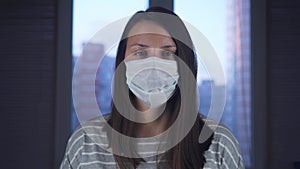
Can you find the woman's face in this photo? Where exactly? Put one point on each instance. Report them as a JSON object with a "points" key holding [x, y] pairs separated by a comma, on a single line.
{"points": [[148, 39], [153, 84]]}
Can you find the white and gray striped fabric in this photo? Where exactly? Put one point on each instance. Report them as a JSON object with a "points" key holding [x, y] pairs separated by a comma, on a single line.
{"points": [[88, 148]]}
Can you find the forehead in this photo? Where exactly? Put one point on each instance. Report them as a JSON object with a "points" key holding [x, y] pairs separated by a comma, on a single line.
{"points": [[150, 40], [147, 27], [150, 34]]}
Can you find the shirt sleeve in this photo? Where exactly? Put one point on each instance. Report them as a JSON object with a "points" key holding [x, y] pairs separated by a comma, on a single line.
{"points": [[224, 151], [73, 150], [65, 164]]}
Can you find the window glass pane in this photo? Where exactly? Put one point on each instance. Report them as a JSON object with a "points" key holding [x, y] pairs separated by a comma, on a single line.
{"points": [[226, 24], [90, 16]]}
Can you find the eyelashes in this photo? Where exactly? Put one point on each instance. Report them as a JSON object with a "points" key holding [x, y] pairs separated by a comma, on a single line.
{"points": [[144, 53]]}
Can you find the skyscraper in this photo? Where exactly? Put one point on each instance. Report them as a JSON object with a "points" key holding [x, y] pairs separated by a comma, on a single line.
{"points": [[84, 81], [239, 73]]}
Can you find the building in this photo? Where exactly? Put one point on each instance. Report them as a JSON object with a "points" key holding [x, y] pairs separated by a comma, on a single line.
{"points": [[239, 73]]}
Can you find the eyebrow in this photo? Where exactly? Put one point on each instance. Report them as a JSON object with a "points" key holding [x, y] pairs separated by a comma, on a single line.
{"points": [[168, 46], [139, 44], [144, 46]]}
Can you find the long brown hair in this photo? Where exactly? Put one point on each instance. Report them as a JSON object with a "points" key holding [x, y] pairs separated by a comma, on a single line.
{"points": [[188, 153]]}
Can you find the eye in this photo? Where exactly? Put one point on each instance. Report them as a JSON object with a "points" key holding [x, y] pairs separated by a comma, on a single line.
{"points": [[141, 53], [167, 54]]}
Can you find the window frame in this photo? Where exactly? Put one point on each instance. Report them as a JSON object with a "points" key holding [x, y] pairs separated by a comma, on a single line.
{"points": [[260, 124], [63, 94]]}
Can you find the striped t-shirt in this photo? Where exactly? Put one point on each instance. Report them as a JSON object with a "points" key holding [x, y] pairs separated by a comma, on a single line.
{"points": [[88, 148]]}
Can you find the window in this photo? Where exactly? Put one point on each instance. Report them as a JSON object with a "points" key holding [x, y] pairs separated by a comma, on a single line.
{"points": [[88, 18], [226, 23]]}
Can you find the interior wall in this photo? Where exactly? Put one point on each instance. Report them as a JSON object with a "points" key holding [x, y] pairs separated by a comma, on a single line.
{"points": [[283, 61], [27, 87]]}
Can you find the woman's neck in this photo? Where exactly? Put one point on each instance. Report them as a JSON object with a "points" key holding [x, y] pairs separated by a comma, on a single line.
{"points": [[153, 127]]}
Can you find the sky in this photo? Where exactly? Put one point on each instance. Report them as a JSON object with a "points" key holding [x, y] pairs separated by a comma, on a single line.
{"points": [[208, 16]]}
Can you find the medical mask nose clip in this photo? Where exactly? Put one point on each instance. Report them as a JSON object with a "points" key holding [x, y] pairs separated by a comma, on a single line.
{"points": [[152, 80]]}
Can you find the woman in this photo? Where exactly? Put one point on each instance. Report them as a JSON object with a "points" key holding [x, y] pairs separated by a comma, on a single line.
{"points": [[154, 122]]}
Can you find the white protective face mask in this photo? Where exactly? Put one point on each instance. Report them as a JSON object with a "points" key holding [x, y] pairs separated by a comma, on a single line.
{"points": [[152, 80]]}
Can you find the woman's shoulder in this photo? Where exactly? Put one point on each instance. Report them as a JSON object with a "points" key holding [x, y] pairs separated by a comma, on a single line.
{"points": [[224, 148], [221, 132], [92, 127], [89, 139]]}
